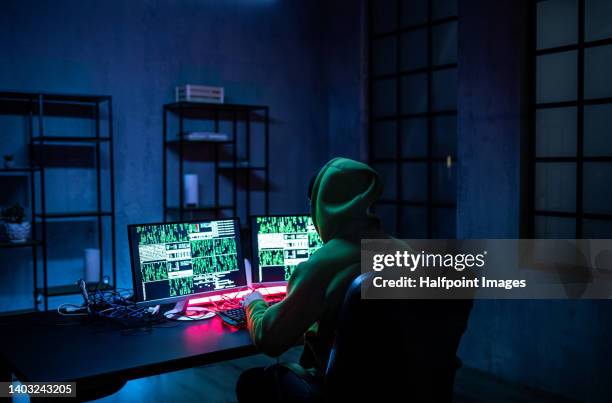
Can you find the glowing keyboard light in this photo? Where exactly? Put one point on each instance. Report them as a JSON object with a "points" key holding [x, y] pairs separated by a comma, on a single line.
{"points": [[265, 291]]}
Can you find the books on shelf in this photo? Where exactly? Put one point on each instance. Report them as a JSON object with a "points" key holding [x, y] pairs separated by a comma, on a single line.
{"points": [[206, 136], [199, 93]]}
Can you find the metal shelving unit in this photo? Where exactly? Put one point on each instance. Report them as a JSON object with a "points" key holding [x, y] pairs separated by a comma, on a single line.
{"points": [[37, 106], [233, 167]]}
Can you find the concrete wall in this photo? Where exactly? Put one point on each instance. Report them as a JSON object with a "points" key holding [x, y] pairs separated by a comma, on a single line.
{"points": [[560, 346], [268, 52], [346, 77]]}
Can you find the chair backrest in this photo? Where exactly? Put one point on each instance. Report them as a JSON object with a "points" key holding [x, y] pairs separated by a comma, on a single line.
{"points": [[386, 348]]}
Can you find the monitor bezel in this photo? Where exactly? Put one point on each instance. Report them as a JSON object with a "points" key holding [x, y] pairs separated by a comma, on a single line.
{"points": [[162, 301], [254, 252]]}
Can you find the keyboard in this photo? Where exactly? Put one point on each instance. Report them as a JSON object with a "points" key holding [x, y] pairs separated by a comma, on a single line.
{"points": [[235, 317]]}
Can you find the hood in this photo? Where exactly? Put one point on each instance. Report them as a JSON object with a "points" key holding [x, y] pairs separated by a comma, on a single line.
{"points": [[341, 196]]}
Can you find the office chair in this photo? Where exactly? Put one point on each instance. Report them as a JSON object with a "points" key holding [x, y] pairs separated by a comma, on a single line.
{"points": [[385, 349]]}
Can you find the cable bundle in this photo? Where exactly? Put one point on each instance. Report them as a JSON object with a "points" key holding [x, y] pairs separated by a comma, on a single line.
{"points": [[111, 304]]}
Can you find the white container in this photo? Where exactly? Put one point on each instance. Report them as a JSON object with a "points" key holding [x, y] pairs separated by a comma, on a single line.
{"points": [[190, 190], [199, 93], [92, 265], [17, 233]]}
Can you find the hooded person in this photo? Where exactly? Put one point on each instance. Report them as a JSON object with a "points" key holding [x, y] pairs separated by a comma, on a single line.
{"points": [[342, 194]]}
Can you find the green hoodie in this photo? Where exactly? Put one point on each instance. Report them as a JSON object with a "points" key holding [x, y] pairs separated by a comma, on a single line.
{"points": [[341, 196]]}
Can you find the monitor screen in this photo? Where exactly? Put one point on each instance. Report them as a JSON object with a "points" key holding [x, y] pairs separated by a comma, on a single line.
{"points": [[173, 260], [280, 243]]}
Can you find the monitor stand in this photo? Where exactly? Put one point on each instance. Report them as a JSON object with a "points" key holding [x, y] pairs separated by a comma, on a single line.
{"points": [[182, 311]]}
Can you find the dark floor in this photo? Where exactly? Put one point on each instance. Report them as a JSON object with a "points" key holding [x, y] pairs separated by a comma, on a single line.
{"points": [[475, 386], [215, 383], [212, 383]]}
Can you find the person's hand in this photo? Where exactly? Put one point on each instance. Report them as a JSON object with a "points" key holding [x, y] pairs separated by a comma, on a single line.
{"points": [[254, 296]]}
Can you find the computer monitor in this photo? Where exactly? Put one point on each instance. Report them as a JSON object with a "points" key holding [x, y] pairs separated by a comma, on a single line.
{"points": [[174, 261], [280, 243]]}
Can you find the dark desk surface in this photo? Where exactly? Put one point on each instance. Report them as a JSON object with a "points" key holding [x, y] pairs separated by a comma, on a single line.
{"points": [[47, 347]]}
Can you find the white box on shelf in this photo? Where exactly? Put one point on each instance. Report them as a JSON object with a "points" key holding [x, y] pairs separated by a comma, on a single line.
{"points": [[199, 93], [206, 136]]}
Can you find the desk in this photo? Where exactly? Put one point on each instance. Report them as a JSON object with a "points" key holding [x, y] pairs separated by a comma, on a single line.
{"points": [[35, 347]]}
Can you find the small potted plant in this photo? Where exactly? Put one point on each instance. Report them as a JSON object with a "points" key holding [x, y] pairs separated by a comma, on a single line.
{"points": [[17, 229], [9, 161]]}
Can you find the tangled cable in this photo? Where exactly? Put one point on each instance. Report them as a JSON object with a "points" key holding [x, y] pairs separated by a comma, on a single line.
{"points": [[115, 304]]}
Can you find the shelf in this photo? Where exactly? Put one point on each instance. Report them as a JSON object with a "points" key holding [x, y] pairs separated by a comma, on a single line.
{"points": [[24, 103], [69, 139], [8, 171], [57, 97], [10, 245], [175, 106], [70, 289], [74, 214]]}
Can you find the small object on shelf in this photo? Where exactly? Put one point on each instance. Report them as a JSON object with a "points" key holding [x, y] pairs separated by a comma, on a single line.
{"points": [[92, 265], [190, 188], [206, 136], [9, 161], [239, 164], [199, 93], [17, 230]]}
